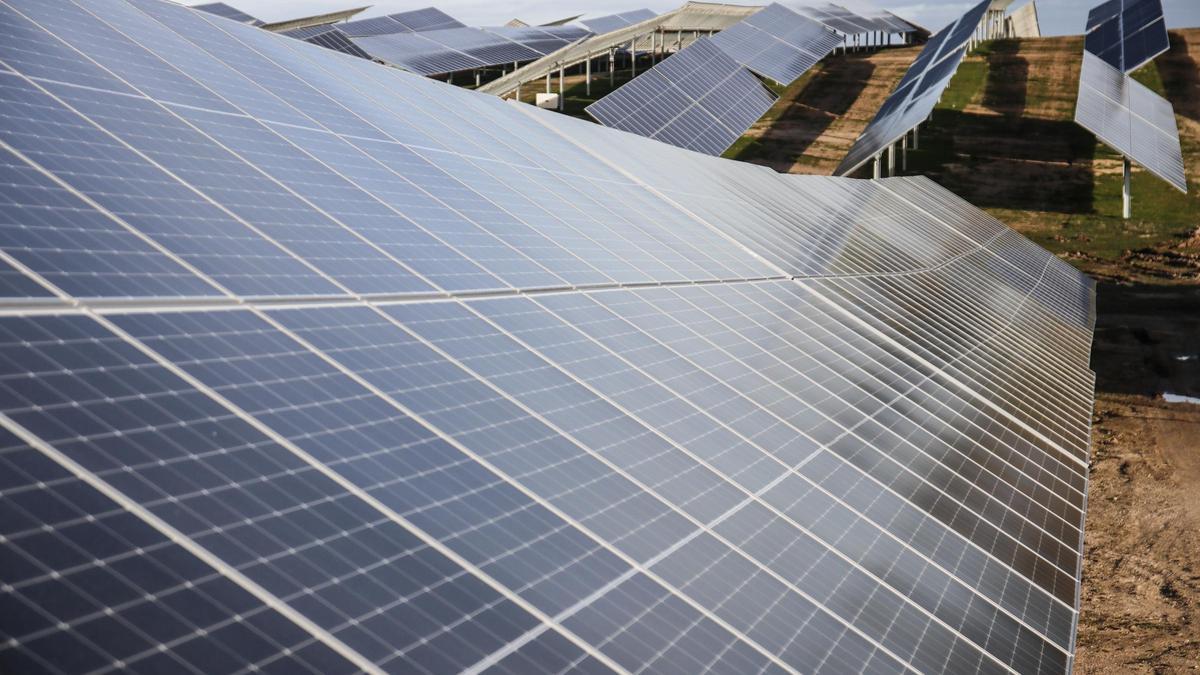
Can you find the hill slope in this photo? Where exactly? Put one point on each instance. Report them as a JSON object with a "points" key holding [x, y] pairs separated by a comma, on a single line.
{"points": [[1004, 138]]}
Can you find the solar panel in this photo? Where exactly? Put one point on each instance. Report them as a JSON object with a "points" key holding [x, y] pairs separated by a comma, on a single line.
{"points": [[445, 51], [606, 24], [1131, 119], [777, 43], [1127, 34], [916, 94], [646, 410], [543, 40], [233, 13], [414, 21], [698, 98], [329, 37]]}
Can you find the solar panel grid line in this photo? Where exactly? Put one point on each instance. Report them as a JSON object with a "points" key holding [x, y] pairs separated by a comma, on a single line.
{"points": [[389, 207], [301, 197], [149, 241], [543, 120], [964, 387], [188, 544], [705, 528], [640, 567], [107, 552], [204, 197], [753, 320], [336, 478], [793, 470]]}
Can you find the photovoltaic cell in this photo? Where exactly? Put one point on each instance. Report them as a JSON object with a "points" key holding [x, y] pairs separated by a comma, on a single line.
{"points": [[1131, 119], [699, 99], [1127, 33], [914, 97], [346, 369], [778, 43]]}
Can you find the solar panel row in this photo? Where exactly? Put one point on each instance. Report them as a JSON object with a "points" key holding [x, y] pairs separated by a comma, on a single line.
{"points": [[734, 421], [1127, 33], [1130, 118], [778, 43], [415, 21], [914, 97], [606, 24], [329, 37], [229, 12], [448, 50], [698, 98]]}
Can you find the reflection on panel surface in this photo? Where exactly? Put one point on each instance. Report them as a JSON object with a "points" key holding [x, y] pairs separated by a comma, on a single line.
{"points": [[309, 364]]}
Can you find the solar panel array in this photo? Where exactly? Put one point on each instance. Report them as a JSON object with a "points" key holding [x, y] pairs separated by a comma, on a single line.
{"points": [[1130, 118], [777, 43], [229, 12], [329, 37], [312, 365], [698, 98], [914, 97], [449, 50], [415, 21], [1127, 33], [606, 24]]}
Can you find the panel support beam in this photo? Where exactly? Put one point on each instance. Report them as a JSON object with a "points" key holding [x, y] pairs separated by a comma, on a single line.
{"points": [[588, 76], [1126, 197], [562, 92], [878, 163]]}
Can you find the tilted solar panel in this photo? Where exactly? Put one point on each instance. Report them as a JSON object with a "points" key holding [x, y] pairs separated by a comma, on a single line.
{"points": [[698, 98], [414, 21], [1131, 119], [329, 37], [313, 365], [229, 12], [1127, 33], [777, 43], [445, 51], [606, 24], [915, 96]]}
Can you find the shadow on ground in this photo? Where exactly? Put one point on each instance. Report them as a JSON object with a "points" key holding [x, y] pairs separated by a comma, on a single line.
{"points": [[1180, 77], [1147, 339]]}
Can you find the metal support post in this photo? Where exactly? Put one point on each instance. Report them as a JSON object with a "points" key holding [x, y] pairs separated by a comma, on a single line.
{"points": [[562, 93], [878, 166], [1126, 198], [588, 76], [916, 135], [904, 154], [547, 82], [633, 58], [518, 91], [891, 151], [477, 74], [612, 66]]}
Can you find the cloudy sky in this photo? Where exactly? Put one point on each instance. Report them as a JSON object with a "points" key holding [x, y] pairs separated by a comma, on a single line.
{"points": [[1058, 17]]}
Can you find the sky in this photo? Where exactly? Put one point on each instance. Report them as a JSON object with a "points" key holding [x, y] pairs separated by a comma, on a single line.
{"points": [[1057, 17]]}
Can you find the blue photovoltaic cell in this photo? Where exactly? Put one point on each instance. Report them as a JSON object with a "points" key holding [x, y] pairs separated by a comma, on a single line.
{"points": [[414, 21], [699, 99], [89, 586], [777, 42], [470, 386]]}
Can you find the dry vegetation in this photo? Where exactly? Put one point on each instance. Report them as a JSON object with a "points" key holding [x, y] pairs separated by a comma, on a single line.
{"points": [[1004, 138]]}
